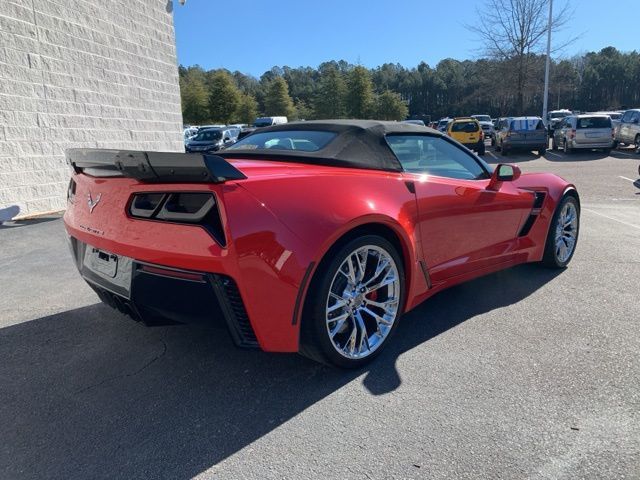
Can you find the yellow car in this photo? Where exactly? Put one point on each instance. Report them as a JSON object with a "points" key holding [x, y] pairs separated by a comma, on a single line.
{"points": [[467, 131]]}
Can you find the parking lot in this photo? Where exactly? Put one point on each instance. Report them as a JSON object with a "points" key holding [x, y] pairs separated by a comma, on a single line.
{"points": [[527, 373]]}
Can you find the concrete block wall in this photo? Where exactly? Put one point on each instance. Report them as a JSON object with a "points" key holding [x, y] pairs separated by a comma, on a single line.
{"points": [[81, 73]]}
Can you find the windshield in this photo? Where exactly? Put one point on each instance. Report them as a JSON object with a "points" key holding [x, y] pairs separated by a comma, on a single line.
{"points": [[482, 118], [263, 122], [594, 122], [466, 127], [527, 124], [303, 140], [559, 114], [208, 136]]}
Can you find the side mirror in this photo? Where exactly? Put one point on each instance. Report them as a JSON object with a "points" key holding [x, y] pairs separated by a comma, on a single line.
{"points": [[504, 172]]}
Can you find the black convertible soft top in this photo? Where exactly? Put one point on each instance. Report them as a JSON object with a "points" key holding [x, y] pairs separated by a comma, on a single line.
{"points": [[358, 144]]}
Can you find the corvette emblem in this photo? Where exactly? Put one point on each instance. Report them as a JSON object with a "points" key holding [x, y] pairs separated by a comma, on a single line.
{"points": [[91, 202]]}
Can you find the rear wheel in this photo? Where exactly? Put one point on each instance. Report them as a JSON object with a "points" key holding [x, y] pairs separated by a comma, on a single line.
{"points": [[354, 303], [554, 145], [481, 149], [563, 233]]}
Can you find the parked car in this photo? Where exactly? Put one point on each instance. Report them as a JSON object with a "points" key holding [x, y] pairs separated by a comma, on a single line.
{"points": [[269, 121], [586, 131], [487, 127], [189, 132], [210, 140], [250, 235], [615, 117], [468, 132], [628, 132], [554, 117], [443, 123], [521, 133]]}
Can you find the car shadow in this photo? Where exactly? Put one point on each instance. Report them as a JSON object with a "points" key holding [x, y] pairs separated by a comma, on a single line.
{"points": [[88, 393]]}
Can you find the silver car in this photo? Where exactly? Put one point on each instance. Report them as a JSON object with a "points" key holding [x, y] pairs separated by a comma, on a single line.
{"points": [[584, 132], [628, 131]]}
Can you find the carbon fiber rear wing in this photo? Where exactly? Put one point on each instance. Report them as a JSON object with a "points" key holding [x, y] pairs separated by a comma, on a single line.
{"points": [[153, 167]]}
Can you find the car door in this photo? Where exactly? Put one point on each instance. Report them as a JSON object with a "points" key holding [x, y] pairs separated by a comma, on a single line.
{"points": [[625, 122], [463, 226]]}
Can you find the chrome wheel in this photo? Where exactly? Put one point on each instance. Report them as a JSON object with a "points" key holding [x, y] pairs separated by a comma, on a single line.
{"points": [[363, 302], [566, 232]]}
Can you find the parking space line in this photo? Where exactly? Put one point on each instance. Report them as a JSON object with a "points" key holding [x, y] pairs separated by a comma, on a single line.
{"points": [[632, 181], [554, 154], [611, 218], [491, 153]]}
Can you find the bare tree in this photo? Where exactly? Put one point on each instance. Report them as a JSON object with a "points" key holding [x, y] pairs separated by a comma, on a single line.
{"points": [[514, 31]]}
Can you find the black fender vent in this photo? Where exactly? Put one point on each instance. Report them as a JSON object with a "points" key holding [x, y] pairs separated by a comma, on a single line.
{"points": [[535, 212], [234, 311]]}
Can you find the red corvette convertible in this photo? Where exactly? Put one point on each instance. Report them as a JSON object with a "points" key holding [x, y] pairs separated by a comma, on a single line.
{"points": [[308, 237]]}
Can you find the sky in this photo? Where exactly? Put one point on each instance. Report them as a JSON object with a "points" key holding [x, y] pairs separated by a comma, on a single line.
{"points": [[254, 35]]}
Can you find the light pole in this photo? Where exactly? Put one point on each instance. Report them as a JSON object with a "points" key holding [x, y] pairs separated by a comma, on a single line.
{"points": [[547, 66]]}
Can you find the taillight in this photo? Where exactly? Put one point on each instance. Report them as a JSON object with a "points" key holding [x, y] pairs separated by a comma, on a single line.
{"points": [[481, 135], [195, 208]]}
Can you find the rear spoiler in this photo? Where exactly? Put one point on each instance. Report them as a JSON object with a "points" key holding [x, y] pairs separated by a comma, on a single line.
{"points": [[153, 167]]}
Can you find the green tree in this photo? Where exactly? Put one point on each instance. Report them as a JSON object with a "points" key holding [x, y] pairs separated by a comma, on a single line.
{"points": [[303, 111], [224, 97], [390, 106], [277, 101], [247, 109], [360, 98], [329, 101], [194, 96]]}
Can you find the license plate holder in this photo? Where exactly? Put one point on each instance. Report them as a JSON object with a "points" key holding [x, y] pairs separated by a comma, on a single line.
{"points": [[108, 270]]}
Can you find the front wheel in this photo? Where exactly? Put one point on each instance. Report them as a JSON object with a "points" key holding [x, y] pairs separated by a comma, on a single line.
{"points": [[563, 233], [354, 303], [481, 149]]}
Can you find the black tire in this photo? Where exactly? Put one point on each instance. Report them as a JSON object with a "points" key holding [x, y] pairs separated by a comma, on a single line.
{"points": [[315, 343], [637, 141], [615, 144], [481, 149], [493, 142], [554, 145], [498, 147], [550, 258]]}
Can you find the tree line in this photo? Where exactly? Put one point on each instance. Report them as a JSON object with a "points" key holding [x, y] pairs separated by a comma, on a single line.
{"points": [[608, 79]]}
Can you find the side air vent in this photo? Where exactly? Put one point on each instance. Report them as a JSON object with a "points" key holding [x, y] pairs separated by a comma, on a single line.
{"points": [[234, 311], [535, 211], [193, 208]]}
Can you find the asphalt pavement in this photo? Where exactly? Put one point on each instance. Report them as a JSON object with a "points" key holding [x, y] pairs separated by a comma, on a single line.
{"points": [[527, 373]]}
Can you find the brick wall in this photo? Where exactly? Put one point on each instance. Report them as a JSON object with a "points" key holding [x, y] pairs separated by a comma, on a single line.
{"points": [[81, 73]]}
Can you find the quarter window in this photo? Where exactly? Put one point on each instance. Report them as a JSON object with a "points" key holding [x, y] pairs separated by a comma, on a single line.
{"points": [[435, 156]]}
